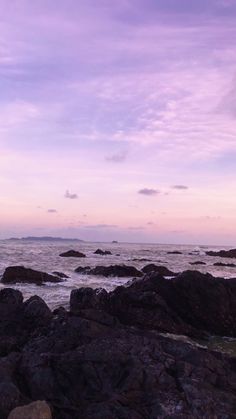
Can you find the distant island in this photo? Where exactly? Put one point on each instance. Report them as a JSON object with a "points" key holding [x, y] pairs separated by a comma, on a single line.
{"points": [[45, 238]]}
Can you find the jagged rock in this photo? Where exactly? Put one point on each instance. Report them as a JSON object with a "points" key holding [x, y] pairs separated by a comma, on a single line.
{"points": [[102, 252], [223, 253], [106, 358], [162, 270], [201, 300], [86, 298], [112, 270], [15, 274], [72, 254], [35, 410]]}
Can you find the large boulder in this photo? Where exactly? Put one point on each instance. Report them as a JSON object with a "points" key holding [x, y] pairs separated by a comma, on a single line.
{"points": [[35, 410], [201, 300], [72, 254], [112, 270], [20, 274]]}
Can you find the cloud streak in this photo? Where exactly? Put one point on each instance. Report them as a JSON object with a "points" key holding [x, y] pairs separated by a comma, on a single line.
{"points": [[148, 192]]}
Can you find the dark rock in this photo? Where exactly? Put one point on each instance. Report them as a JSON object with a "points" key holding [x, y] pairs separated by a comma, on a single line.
{"points": [[174, 252], [37, 311], [201, 300], [15, 274], [162, 270], [226, 265], [10, 297], [198, 262], [72, 254], [9, 398], [60, 274], [102, 252], [112, 270], [107, 359], [223, 253], [85, 298]]}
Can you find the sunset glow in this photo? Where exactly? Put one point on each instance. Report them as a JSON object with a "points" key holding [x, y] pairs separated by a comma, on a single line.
{"points": [[118, 120]]}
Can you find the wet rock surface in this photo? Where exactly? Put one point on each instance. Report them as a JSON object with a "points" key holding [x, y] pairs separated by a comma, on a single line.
{"points": [[226, 265], [72, 254], [105, 358], [112, 270], [197, 262], [223, 253], [162, 270], [20, 274], [102, 252]]}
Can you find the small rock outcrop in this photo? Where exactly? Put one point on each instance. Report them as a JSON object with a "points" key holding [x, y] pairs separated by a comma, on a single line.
{"points": [[72, 254], [35, 410], [102, 252], [112, 270], [161, 270], [174, 252], [223, 253], [20, 274]]}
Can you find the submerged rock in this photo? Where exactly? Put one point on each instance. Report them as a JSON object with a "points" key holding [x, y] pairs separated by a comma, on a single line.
{"points": [[174, 252], [72, 254], [226, 265], [102, 252], [60, 274], [198, 262], [162, 270], [112, 270], [223, 253], [20, 274]]}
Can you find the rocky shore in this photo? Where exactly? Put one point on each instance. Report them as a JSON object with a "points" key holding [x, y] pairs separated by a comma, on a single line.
{"points": [[112, 355]]}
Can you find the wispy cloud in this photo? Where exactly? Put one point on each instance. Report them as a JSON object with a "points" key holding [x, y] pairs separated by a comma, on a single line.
{"points": [[148, 192], [180, 187], [69, 195], [101, 226], [118, 157], [52, 210]]}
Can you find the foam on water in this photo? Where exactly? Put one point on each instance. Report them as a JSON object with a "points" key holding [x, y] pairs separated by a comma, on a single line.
{"points": [[44, 256]]}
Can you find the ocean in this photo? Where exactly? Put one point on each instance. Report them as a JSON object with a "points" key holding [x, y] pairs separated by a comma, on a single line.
{"points": [[44, 256]]}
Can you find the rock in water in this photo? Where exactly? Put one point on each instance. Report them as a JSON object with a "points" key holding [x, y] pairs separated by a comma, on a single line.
{"points": [[102, 252], [72, 254], [161, 270], [198, 262], [35, 410], [223, 253], [15, 274], [112, 270]]}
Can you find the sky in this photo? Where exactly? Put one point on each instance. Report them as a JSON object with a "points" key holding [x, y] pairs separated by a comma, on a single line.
{"points": [[118, 120]]}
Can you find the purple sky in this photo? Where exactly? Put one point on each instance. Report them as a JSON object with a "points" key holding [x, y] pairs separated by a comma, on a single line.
{"points": [[118, 119]]}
